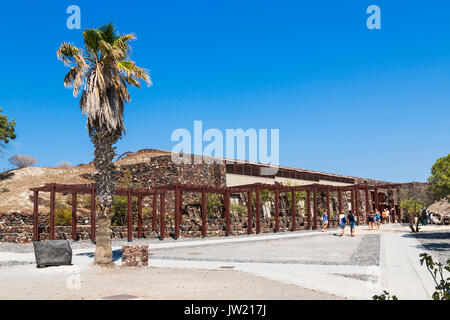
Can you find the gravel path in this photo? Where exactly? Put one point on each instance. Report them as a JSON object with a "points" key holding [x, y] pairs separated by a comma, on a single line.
{"points": [[339, 251], [87, 244], [368, 251]]}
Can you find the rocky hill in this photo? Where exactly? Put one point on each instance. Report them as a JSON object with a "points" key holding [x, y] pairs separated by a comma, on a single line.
{"points": [[15, 194]]}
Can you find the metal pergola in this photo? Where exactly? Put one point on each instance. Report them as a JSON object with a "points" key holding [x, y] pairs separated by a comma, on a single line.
{"points": [[178, 189]]}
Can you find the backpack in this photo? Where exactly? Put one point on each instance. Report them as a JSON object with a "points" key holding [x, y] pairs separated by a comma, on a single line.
{"points": [[343, 220], [351, 218]]}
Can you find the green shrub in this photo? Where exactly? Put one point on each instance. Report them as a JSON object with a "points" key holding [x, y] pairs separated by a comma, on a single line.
{"points": [[63, 216], [384, 296], [437, 271], [213, 204], [119, 209], [238, 209]]}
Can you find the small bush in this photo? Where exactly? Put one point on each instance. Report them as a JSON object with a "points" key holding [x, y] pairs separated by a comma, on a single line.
{"points": [[437, 271], [238, 209], [213, 204], [63, 216], [384, 296]]}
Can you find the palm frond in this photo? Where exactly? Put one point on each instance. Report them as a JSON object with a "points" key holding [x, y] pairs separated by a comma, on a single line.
{"points": [[132, 71], [70, 55], [108, 33], [91, 39], [102, 74]]}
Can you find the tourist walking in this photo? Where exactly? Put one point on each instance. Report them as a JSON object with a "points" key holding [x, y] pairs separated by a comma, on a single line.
{"points": [[352, 222], [342, 222], [377, 219], [325, 221], [371, 220], [383, 216], [424, 217]]}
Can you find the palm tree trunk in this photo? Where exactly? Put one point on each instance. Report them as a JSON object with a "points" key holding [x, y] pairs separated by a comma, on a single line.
{"points": [[104, 153]]}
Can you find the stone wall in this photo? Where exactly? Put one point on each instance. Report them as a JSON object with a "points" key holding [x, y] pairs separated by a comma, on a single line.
{"points": [[160, 170], [19, 227]]}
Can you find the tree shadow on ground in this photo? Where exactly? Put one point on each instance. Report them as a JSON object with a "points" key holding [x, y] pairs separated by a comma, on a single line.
{"points": [[442, 235], [433, 241], [117, 254]]}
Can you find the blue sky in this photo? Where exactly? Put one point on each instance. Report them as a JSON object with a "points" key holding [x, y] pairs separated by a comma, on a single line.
{"points": [[348, 100]]}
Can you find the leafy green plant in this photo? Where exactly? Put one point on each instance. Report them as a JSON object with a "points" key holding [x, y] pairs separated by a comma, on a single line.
{"points": [[437, 271], [440, 178], [299, 196], [414, 199], [238, 209], [384, 296], [213, 204], [120, 203], [63, 216], [147, 213], [119, 209], [6, 129]]}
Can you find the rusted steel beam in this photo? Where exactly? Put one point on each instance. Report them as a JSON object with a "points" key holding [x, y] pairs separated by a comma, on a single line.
{"points": [[368, 209], [162, 228], [308, 208], [140, 216], [357, 206], [352, 200], [277, 209], [249, 212], [293, 214], [74, 216], [316, 209], [35, 215], [52, 212], [376, 199], [177, 212], [399, 209], [327, 195], [227, 212], [129, 216], [180, 210], [204, 213], [258, 210], [155, 211], [85, 188], [93, 217]]}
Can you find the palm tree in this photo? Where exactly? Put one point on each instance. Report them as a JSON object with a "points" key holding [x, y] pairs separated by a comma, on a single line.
{"points": [[102, 73]]}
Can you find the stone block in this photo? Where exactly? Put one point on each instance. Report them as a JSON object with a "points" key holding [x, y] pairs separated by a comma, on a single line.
{"points": [[135, 255], [52, 253]]}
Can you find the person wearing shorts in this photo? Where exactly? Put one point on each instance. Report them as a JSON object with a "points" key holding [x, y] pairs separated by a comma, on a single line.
{"points": [[377, 219], [325, 221], [371, 220], [342, 222], [352, 222]]}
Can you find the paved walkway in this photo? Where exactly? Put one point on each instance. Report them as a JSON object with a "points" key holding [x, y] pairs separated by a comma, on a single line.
{"points": [[401, 271], [351, 267], [398, 272]]}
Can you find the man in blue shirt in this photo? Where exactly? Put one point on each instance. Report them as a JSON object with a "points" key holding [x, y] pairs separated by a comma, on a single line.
{"points": [[325, 221]]}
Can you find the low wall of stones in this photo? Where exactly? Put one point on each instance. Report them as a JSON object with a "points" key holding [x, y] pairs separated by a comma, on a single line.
{"points": [[18, 227]]}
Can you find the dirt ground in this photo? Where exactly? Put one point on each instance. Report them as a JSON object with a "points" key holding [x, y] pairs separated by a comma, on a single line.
{"points": [[149, 283]]}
